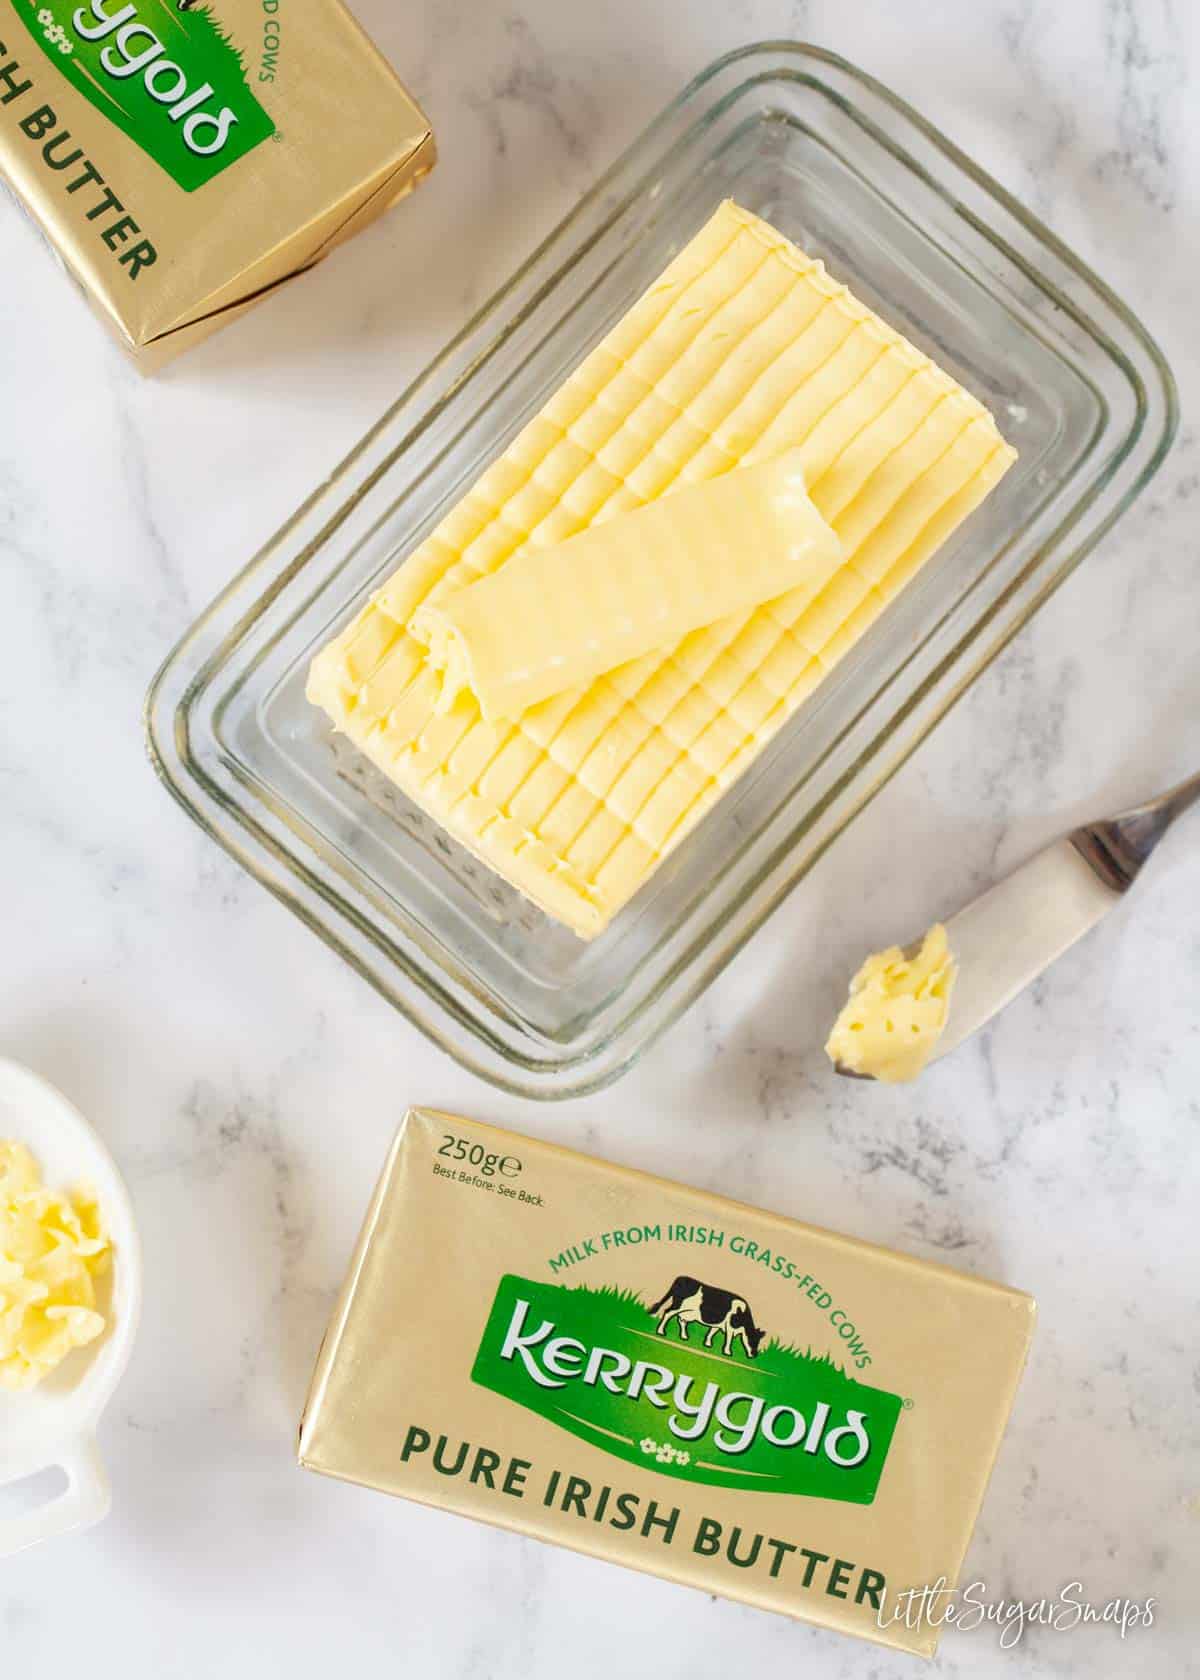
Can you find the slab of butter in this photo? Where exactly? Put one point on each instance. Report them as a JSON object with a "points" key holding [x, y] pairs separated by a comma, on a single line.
{"points": [[665, 1379], [556, 618], [743, 349], [896, 1013]]}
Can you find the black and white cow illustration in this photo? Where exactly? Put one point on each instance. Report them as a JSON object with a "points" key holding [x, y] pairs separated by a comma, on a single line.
{"points": [[688, 1301]]}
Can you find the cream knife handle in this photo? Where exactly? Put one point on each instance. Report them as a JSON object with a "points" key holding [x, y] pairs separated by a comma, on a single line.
{"points": [[1118, 847]]}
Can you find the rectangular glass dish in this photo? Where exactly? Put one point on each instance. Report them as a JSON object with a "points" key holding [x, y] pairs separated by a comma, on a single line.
{"points": [[854, 176]]}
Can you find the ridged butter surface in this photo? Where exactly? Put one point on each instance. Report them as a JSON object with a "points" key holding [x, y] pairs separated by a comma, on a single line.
{"points": [[744, 348]]}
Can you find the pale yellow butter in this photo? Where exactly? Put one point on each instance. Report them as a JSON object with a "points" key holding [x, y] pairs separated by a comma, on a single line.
{"points": [[52, 1247], [555, 619], [744, 349], [896, 1012]]}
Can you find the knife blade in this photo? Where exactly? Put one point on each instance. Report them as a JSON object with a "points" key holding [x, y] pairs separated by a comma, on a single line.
{"points": [[1013, 932]]}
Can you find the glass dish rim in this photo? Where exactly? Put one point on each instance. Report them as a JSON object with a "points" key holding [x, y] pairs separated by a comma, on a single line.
{"points": [[578, 1073]]}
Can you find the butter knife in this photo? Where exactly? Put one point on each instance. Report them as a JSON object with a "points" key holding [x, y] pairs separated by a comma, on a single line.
{"points": [[1014, 931]]}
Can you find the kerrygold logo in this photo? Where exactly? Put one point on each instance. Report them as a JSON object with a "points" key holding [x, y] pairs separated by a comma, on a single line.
{"points": [[168, 77], [772, 1418], [135, 50]]}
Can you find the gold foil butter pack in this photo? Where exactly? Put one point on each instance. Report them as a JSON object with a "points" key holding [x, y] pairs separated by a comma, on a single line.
{"points": [[187, 157], [665, 1379]]}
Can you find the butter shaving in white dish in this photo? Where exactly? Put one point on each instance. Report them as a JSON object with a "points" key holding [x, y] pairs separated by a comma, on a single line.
{"points": [[53, 1245]]}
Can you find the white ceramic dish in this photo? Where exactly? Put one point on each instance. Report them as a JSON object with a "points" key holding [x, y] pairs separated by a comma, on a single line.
{"points": [[55, 1424]]}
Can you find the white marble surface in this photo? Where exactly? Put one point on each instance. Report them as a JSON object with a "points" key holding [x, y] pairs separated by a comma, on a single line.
{"points": [[249, 1083]]}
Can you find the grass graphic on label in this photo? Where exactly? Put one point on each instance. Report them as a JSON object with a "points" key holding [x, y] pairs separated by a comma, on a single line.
{"points": [[166, 74], [687, 1384]]}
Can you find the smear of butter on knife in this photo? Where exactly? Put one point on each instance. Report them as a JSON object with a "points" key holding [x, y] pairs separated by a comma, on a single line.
{"points": [[557, 617], [896, 1012]]}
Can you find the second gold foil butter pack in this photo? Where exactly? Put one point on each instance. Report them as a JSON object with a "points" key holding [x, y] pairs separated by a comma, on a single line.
{"points": [[186, 158], [666, 1379]]}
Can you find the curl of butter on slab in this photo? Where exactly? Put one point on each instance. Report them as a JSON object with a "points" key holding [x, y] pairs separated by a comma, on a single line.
{"points": [[896, 1012], [558, 617], [52, 1246]]}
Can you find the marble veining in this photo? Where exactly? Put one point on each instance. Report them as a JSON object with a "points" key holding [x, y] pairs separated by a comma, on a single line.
{"points": [[250, 1084]]}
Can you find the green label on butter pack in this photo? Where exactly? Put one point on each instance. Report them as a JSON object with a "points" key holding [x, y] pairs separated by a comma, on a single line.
{"points": [[163, 71], [688, 1386]]}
